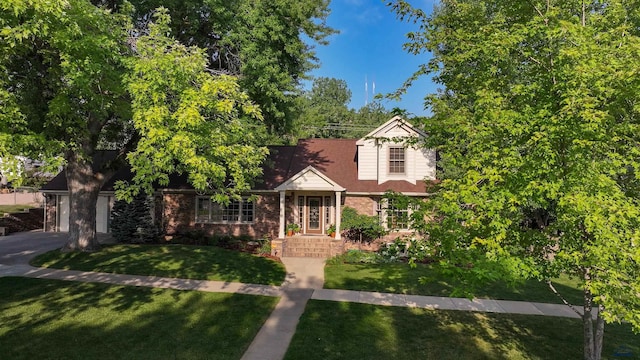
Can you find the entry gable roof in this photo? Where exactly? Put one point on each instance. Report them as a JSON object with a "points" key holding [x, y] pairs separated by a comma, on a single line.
{"points": [[310, 179], [383, 130]]}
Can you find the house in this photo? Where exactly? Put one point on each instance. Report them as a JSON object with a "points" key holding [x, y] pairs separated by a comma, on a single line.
{"points": [[308, 184]]}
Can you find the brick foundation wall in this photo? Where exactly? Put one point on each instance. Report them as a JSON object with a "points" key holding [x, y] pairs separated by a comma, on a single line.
{"points": [[179, 210], [179, 216], [363, 204]]}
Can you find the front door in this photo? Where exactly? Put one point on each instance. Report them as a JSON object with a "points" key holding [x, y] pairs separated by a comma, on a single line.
{"points": [[314, 215]]}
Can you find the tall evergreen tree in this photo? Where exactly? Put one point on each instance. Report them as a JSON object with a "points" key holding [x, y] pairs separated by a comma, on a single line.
{"points": [[132, 221]]}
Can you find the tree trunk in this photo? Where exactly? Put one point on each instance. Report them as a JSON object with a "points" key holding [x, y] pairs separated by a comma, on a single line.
{"points": [[84, 187], [593, 338]]}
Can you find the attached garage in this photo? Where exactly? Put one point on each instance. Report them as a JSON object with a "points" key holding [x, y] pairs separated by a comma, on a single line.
{"points": [[58, 204]]}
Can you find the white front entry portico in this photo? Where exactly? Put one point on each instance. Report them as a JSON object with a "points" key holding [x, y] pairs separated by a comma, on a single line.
{"points": [[318, 202]]}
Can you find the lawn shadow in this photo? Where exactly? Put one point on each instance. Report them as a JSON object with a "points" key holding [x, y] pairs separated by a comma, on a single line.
{"points": [[70, 320], [333, 330], [424, 279], [172, 261]]}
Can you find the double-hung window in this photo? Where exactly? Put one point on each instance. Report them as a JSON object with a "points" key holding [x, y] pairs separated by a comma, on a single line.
{"points": [[393, 216], [396, 160], [237, 211]]}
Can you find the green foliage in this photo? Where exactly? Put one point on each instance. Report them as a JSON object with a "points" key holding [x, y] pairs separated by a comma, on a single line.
{"points": [[131, 222], [60, 83], [76, 77], [359, 227], [538, 130], [267, 44], [412, 249], [324, 112], [355, 257], [394, 251], [366, 119], [265, 246], [293, 227], [323, 108], [331, 229], [189, 121]]}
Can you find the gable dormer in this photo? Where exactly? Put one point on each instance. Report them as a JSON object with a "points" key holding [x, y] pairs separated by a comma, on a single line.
{"points": [[384, 154]]}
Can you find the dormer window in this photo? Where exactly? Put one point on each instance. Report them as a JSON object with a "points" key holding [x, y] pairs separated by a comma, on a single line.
{"points": [[396, 160]]}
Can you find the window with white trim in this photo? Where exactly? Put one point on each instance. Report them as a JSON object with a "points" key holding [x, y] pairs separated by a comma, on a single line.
{"points": [[396, 160], [392, 216], [236, 211]]}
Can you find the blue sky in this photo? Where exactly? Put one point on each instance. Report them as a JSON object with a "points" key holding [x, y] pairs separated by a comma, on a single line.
{"points": [[369, 46]]}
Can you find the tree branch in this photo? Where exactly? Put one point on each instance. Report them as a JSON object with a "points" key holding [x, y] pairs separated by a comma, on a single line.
{"points": [[564, 301]]}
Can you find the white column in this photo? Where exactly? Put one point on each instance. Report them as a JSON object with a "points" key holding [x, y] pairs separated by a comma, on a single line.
{"points": [[338, 213], [282, 205]]}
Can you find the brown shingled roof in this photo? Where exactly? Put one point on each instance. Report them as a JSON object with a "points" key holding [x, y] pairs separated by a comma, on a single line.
{"points": [[336, 158]]}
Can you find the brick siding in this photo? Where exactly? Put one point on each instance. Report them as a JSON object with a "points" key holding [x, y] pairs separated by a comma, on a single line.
{"points": [[179, 216]]}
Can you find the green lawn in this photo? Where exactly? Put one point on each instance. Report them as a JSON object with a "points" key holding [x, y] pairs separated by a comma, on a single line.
{"points": [[174, 261], [51, 319], [334, 330], [401, 278], [7, 209]]}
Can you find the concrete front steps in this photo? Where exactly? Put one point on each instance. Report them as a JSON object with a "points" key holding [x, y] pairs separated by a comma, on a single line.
{"points": [[315, 246]]}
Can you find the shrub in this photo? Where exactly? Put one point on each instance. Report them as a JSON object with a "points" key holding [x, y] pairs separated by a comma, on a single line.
{"points": [[356, 257], [361, 227], [131, 222], [394, 251], [415, 250], [265, 247]]}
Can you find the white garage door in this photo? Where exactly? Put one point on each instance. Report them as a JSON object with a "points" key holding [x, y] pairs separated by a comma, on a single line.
{"points": [[103, 212], [63, 213]]}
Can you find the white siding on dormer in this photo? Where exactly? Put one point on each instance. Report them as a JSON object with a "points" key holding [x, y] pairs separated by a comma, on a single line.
{"points": [[397, 131], [367, 161], [409, 165], [425, 164], [373, 161]]}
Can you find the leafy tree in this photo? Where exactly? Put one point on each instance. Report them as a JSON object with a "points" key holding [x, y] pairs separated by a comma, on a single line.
{"points": [[74, 78], [325, 108], [366, 119], [325, 112], [537, 125], [266, 43]]}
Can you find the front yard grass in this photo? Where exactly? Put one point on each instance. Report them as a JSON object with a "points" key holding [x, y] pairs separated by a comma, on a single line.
{"points": [[338, 330], [401, 278], [173, 261], [52, 319]]}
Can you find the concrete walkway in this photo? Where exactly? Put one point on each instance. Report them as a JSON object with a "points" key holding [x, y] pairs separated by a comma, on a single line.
{"points": [[304, 281], [304, 277]]}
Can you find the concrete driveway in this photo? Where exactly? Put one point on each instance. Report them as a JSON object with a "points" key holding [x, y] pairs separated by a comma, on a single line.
{"points": [[19, 248]]}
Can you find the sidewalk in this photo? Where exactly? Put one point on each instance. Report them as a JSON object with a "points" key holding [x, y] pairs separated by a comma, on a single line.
{"points": [[304, 281], [291, 289]]}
